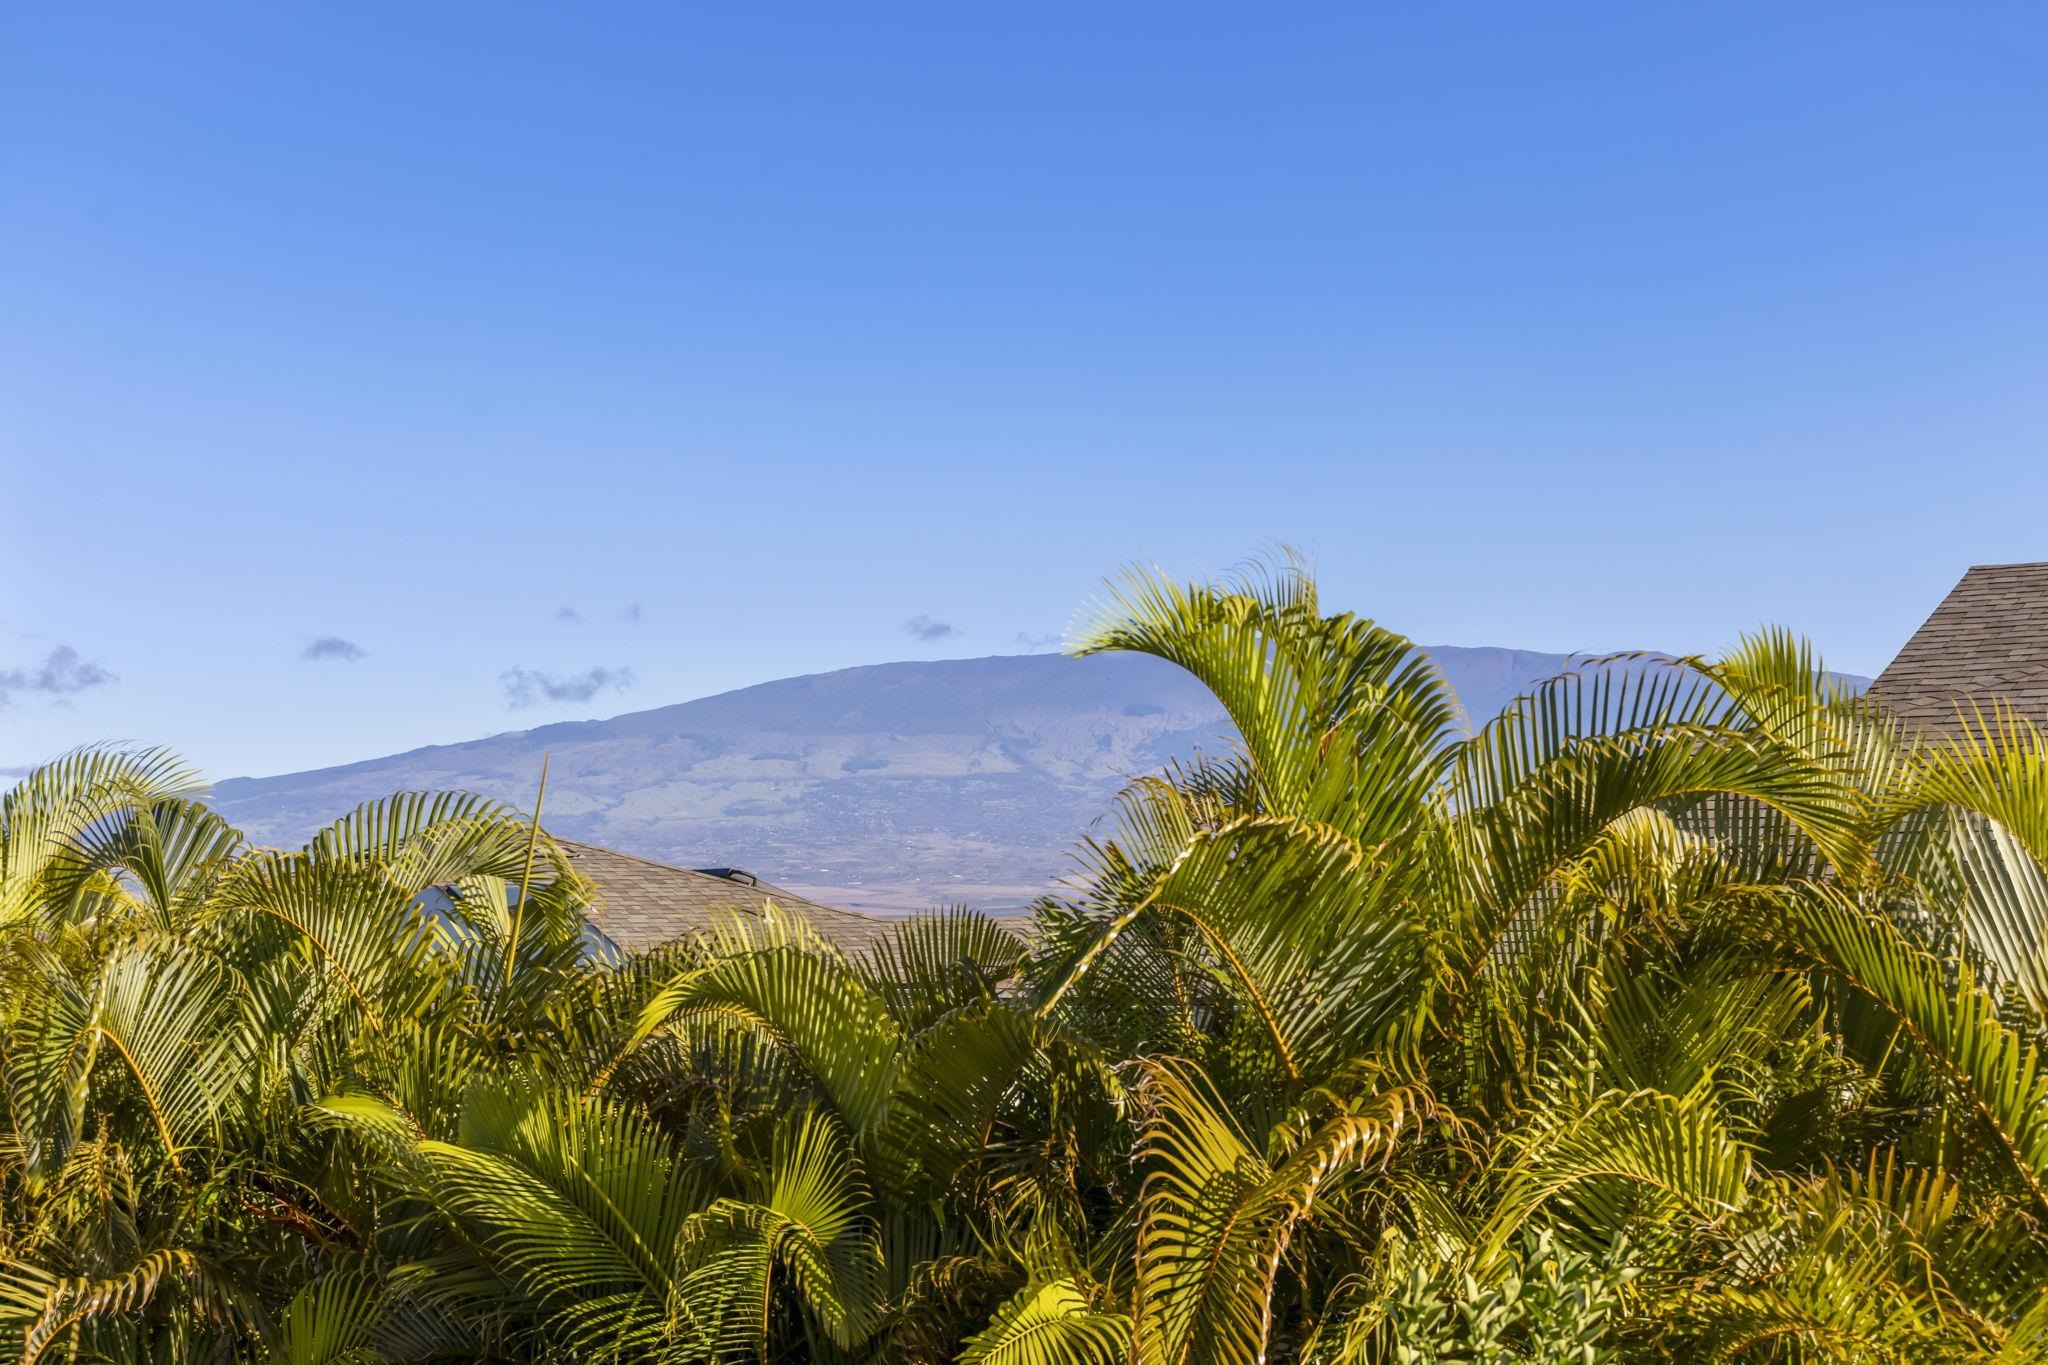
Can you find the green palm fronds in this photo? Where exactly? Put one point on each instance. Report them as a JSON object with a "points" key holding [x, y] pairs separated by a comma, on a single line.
{"points": [[1688, 1010]]}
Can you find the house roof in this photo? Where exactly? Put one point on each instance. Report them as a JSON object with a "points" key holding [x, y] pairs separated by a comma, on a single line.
{"points": [[1986, 643], [643, 902]]}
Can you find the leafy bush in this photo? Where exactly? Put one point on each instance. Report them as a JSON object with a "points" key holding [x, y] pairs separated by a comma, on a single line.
{"points": [[1552, 1307]]}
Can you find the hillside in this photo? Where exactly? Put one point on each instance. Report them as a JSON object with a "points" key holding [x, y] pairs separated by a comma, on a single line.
{"points": [[887, 787]]}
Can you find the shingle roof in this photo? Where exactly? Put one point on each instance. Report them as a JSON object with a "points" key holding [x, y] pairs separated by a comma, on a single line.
{"points": [[1987, 642], [643, 903]]}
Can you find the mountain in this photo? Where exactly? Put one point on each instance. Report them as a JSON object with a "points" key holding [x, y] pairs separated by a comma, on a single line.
{"points": [[890, 787]]}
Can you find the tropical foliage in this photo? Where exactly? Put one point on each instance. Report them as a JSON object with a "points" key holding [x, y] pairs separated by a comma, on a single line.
{"points": [[1686, 1011]]}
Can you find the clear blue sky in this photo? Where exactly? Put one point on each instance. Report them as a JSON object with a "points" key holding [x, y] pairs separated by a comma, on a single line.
{"points": [[409, 326]]}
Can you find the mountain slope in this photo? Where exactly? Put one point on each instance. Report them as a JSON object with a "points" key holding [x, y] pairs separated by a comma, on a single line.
{"points": [[889, 787]]}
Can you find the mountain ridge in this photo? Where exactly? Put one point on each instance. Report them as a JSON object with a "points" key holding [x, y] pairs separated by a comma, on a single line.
{"points": [[884, 787]]}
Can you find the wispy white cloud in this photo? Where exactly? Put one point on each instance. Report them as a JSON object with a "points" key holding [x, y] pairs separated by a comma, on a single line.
{"points": [[62, 673], [526, 687], [333, 647]]}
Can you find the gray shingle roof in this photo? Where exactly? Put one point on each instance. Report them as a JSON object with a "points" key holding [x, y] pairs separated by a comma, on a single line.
{"points": [[643, 902], [1987, 642]]}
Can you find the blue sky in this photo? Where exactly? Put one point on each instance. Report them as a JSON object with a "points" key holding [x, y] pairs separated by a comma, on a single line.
{"points": [[751, 335]]}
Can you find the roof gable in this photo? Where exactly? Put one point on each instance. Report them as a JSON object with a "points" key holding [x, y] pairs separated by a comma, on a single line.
{"points": [[1986, 643], [643, 903]]}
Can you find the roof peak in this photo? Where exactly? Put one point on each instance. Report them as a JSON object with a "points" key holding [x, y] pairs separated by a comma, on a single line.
{"points": [[651, 862], [644, 901], [1986, 644]]}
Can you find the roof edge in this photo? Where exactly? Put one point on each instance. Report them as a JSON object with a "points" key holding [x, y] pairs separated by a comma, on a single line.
{"points": [[767, 890]]}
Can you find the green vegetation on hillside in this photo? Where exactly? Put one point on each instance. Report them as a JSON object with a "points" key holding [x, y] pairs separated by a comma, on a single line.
{"points": [[1681, 1014]]}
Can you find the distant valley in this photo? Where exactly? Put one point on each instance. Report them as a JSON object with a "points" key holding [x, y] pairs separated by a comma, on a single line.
{"points": [[886, 788]]}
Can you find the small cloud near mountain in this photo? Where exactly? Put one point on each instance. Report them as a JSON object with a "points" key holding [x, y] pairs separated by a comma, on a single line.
{"points": [[928, 628], [568, 616], [526, 687], [333, 647], [62, 673], [1025, 640], [631, 614]]}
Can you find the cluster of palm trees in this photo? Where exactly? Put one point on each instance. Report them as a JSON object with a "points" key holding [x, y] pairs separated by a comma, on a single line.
{"points": [[1686, 1011]]}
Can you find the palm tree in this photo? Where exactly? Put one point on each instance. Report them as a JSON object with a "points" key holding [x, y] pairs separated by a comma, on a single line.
{"points": [[1698, 968], [1686, 1011]]}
